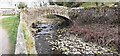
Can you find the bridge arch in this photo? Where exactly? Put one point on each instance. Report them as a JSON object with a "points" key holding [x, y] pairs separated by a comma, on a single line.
{"points": [[68, 22], [34, 14]]}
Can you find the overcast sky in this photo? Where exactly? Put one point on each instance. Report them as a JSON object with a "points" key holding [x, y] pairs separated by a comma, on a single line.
{"points": [[17, 0], [11, 3]]}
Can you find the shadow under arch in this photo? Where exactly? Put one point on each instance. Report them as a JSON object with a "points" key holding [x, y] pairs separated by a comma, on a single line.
{"points": [[67, 21]]}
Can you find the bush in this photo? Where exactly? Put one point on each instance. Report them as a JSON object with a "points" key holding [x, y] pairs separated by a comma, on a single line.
{"points": [[22, 5], [68, 4]]}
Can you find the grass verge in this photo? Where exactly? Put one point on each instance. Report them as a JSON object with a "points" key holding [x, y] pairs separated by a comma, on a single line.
{"points": [[30, 44], [8, 14], [92, 4], [11, 25]]}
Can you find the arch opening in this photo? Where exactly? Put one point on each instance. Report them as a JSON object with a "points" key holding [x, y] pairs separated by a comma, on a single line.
{"points": [[67, 21]]}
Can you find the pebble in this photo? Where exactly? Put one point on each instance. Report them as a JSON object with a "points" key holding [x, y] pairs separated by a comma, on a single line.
{"points": [[59, 35], [66, 52], [60, 39], [46, 38], [74, 50], [52, 49], [62, 45], [72, 44], [77, 52], [64, 49]]}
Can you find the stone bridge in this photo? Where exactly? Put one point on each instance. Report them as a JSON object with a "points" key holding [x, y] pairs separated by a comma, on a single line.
{"points": [[102, 14], [34, 14], [56, 10], [41, 11]]}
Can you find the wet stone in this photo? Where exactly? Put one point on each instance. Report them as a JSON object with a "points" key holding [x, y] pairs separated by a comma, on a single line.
{"points": [[49, 40], [64, 49]]}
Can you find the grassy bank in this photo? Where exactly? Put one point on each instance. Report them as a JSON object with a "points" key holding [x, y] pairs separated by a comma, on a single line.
{"points": [[8, 15], [30, 44], [11, 25], [93, 4]]}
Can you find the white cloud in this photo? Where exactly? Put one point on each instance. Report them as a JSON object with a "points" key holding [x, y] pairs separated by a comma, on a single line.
{"points": [[17, 0]]}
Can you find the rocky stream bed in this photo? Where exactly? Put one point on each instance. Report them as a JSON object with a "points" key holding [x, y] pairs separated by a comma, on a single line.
{"points": [[50, 39]]}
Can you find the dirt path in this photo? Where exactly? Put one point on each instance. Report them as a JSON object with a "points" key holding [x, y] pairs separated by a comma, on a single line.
{"points": [[4, 40]]}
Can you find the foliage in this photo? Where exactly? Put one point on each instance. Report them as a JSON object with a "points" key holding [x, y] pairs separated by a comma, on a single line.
{"points": [[88, 4], [22, 5], [83, 4], [8, 15], [67, 4]]}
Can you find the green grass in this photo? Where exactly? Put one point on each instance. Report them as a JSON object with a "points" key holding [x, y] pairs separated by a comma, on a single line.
{"points": [[11, 25], [8, 15], [92, 4], [88, 4]]}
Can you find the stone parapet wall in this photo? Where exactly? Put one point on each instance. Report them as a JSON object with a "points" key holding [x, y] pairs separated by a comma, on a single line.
{"points": [[33, 14], [20, 42], [102, 15]]}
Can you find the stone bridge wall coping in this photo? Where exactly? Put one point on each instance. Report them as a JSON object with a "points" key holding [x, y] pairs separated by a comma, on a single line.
{"points": [[60, 10], [20, 42]]}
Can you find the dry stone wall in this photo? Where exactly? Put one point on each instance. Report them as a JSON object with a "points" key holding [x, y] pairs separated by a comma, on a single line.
{"points": [[102, 15]]}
